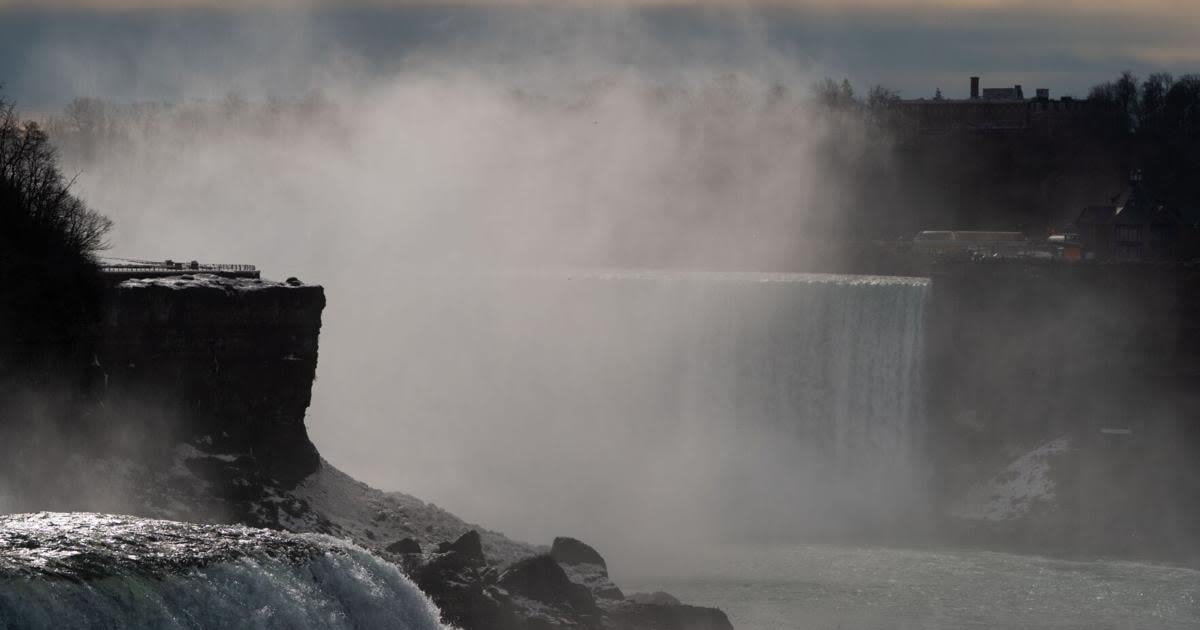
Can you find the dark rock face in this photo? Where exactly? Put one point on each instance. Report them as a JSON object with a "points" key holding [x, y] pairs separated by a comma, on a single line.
{"points": [[229, 362], [539, 593], [457, 579], [585, 566], [667, 617], [571, 551], [541, 579], [1072, 351], [404, 546], [469, 547]]}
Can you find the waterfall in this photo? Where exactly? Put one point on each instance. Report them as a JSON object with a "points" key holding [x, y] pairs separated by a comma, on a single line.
{"points": [[747, 404], [812, 384], [66, 571]]}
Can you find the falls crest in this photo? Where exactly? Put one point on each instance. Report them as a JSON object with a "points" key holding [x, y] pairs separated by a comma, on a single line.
{"points": [[66, 571]]}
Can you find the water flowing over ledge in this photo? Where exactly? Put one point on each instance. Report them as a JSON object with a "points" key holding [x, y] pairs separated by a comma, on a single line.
{"points": [[76, 570], [681, 275]]}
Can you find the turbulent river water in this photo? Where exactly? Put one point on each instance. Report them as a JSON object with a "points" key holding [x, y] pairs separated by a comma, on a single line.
{"points": [[90, 571], [825, 588]]}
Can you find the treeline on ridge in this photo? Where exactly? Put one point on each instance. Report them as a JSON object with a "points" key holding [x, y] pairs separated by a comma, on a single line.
{"points": [[50, 288]]}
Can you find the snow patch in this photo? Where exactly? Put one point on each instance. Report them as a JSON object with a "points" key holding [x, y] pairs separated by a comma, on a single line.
{"points": [[1015, 490], [202, 280], [354, 510]]}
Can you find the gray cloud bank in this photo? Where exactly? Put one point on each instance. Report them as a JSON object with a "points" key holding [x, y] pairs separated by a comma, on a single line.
{"points": [[50, 56]]}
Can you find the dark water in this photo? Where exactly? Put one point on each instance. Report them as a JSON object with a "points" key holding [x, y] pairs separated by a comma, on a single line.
{"points": [[822, 587]]}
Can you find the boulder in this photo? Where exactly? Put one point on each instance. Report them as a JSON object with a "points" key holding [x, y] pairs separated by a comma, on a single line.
{"points": [[541, 579], [461, 591], [468, 548], [585, 567], [404, 546], [569, 551]]}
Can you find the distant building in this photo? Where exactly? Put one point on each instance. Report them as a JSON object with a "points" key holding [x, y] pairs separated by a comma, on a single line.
{"points": [[1014, 93], [996, 110], [1137, 228]]}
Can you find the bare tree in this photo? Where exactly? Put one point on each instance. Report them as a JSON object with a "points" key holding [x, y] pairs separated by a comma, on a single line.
{"points": [[35, 197]]}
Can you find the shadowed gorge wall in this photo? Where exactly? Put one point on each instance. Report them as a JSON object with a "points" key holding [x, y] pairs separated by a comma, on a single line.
{"points": [[1100, 357]]}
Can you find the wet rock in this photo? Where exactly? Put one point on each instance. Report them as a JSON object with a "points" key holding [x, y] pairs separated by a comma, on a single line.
{"points": [[473, 605], [464, 588]]}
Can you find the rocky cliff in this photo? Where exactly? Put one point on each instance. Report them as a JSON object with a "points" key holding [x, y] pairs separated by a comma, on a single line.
{"points": [[227, 363], [192, 408]]}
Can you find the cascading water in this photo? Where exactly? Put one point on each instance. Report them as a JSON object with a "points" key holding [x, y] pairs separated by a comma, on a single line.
{"points": [[746, 404], [65, 571]]}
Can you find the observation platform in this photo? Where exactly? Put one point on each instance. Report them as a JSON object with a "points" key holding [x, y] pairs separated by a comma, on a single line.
{"points": [[121, 269]]}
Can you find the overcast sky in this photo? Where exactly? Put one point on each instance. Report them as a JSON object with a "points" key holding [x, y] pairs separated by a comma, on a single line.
{"points": [[130, 50], [1138, 6]]}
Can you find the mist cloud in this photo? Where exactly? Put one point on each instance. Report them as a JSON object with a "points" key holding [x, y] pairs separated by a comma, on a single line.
{"points": [[415, 196], [407, 187]]}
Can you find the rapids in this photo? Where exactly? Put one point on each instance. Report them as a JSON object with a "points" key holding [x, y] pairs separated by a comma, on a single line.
{"points": [[82, 570]]}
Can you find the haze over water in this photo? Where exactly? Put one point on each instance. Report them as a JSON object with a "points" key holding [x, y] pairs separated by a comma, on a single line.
{"points": [[461, 163]]}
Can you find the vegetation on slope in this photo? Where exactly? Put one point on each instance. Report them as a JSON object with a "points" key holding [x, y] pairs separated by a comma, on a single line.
{"points": [[48, 238]]}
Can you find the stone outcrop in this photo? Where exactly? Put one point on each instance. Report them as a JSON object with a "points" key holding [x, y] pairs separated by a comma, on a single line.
{"points": [[541, 592], [404, 546], [224, 363], [541, 579], [574, 552], [469, 547], [584, 566]]}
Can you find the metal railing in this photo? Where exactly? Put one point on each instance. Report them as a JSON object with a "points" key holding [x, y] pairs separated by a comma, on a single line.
{"points": [[132, 267]]}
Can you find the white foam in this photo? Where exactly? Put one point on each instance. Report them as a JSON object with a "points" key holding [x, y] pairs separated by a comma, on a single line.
{"points": [[345, 588]]}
